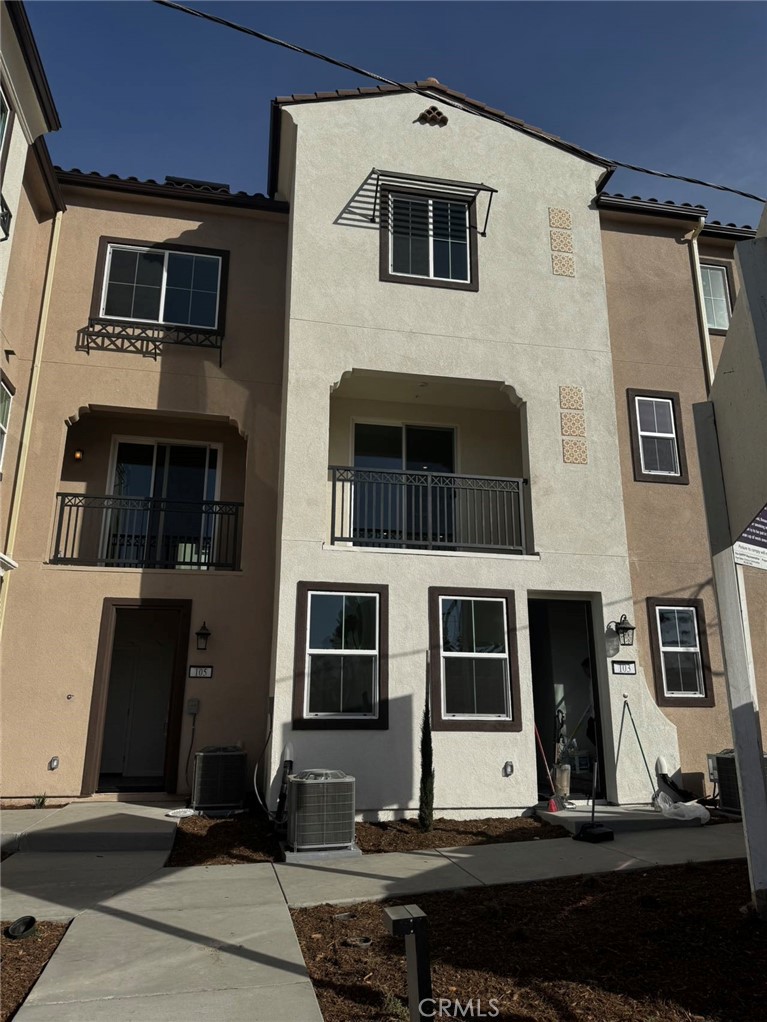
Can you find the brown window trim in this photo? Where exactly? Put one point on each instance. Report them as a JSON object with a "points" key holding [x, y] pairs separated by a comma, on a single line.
{"points": [[440, 723], [398, 278], [707, 700], [727, 267], [302, 723], [683, 478], [4, 378], [98, 282]]}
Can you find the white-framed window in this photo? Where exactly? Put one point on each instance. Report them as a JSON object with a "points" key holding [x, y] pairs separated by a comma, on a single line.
{"points": [[6, 399], [342, 655], [429, 237], [474, 647], [716, 295], [657, 434], [680, 653], [152, 285]]}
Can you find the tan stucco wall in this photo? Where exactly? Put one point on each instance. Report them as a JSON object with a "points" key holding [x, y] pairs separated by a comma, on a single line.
{"points": [[193, 398], [656, 345], [526, 328], [19, 318]]}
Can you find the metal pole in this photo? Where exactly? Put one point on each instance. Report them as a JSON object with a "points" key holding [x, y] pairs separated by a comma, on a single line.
{"points": [[410, 922]]}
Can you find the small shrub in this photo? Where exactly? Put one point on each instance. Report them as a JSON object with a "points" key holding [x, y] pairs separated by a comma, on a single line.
{"points": [[426, 794], [40, 800]]}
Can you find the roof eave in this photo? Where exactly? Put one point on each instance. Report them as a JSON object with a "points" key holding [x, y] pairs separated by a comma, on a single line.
{"points": [[32, 59]]}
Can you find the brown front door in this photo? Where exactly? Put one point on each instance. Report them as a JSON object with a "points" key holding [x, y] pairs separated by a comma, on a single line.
{"points": [[138, 696]]}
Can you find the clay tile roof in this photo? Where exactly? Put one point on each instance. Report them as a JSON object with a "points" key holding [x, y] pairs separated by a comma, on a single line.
{"points": [[172, 187]]}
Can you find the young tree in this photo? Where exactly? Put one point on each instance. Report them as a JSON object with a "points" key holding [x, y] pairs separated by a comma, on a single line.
{"points": [[426, 797]]}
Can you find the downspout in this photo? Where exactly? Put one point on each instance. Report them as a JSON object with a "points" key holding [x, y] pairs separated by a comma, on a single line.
{"points": [[705, 338], [29, 414]]}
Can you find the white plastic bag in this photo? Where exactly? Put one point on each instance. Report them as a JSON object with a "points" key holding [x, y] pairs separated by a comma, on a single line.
{"points": [[681, 810]]}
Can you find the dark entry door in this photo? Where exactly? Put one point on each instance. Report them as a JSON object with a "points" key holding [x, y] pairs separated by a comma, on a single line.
{"points": [[396, 503], [565, 696], [138, 712]]}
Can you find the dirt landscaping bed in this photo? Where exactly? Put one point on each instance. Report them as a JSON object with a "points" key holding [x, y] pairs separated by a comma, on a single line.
{"points": [[22, 961], [666, 945], [248, 838]]}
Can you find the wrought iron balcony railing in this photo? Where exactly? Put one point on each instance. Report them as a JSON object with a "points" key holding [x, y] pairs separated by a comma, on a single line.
{"points": [[427, 510], [146, 532], [145, 339]]}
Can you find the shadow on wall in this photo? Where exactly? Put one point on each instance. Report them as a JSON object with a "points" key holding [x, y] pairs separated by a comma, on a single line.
{"points": [[382, 762]]}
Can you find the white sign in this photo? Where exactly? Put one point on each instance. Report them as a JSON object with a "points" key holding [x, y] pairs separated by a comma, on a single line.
{"points": [[751, 547], [200, 672], [624, 667]]}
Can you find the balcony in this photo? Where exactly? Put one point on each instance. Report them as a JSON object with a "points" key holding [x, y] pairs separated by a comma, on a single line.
{"points": [[146, 532], [427, 510]]}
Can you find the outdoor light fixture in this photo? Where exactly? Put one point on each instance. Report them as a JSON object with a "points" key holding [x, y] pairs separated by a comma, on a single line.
{"points": [[625, 630], [202, 637], [79, 453]]}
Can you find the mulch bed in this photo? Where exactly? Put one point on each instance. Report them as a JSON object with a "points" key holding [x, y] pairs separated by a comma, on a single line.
{"points": [[247, 837], [209, 842], [404, 835], [666, 945], [22, 961]]}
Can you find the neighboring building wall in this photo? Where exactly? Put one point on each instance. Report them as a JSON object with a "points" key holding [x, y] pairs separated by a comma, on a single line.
{"points": [[656, 346], [48, 680], [21, 315], [526, 328]]}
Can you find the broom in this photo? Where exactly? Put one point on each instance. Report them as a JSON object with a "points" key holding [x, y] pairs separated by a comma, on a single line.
{"points": [[556, 802]]}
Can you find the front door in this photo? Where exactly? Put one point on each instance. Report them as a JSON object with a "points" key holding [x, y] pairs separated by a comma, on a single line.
{"points": [[398, 504], [139, 704], [565, 696]]}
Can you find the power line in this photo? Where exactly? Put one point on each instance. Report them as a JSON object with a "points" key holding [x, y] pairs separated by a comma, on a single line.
{"points": [[443, 98]]}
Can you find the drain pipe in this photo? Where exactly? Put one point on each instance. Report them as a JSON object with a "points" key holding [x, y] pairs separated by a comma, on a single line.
{"points": [[29, 413], [705, 339]]}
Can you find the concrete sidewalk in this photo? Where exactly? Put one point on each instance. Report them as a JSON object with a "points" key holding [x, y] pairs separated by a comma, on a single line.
{"points": [[204, 943], [89, 827], [403, 874]]}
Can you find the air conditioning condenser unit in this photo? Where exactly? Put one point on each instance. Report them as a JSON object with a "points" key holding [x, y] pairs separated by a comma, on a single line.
{"points": [[321, 807], [219, 779]]}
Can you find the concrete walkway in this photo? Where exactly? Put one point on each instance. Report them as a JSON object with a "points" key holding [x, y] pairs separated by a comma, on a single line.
{"points": [[217, 942], [89, 827], [394, 875]]}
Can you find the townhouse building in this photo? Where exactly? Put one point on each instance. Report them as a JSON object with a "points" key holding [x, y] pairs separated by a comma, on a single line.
{"points": [[382, 437]]}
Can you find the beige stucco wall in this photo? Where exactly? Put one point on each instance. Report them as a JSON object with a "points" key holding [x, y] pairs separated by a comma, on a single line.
{"points": [[526, 328], [656, 345], [42, 666], [19, 319]]}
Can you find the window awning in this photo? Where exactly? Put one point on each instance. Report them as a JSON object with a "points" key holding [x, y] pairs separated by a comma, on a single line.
{"points": [[469, 190]]}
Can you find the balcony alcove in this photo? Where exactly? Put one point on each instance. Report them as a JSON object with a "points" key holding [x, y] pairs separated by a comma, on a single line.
{"points": [[428, 463]]}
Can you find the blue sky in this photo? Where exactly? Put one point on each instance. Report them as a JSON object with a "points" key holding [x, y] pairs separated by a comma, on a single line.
{"points": [[677, 86]]}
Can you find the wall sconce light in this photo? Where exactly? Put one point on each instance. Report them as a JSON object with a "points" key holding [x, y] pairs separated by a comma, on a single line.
{"points": [[203, 634], [624, 629], [79, 454]]}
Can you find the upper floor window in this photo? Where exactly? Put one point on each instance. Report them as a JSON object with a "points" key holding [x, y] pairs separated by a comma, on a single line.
{"points": [[716, 295], [428, 239], [474, 685], [340, 677], [162, 285], [656, 438], [6, 398], [680, 653]]}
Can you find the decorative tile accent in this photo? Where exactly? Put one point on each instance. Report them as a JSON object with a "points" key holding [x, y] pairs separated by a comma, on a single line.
{"points": [[573, 423], [433, 115], [562, 265], [561, 241], [561, 218], [571, 397], [575, 452]]}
